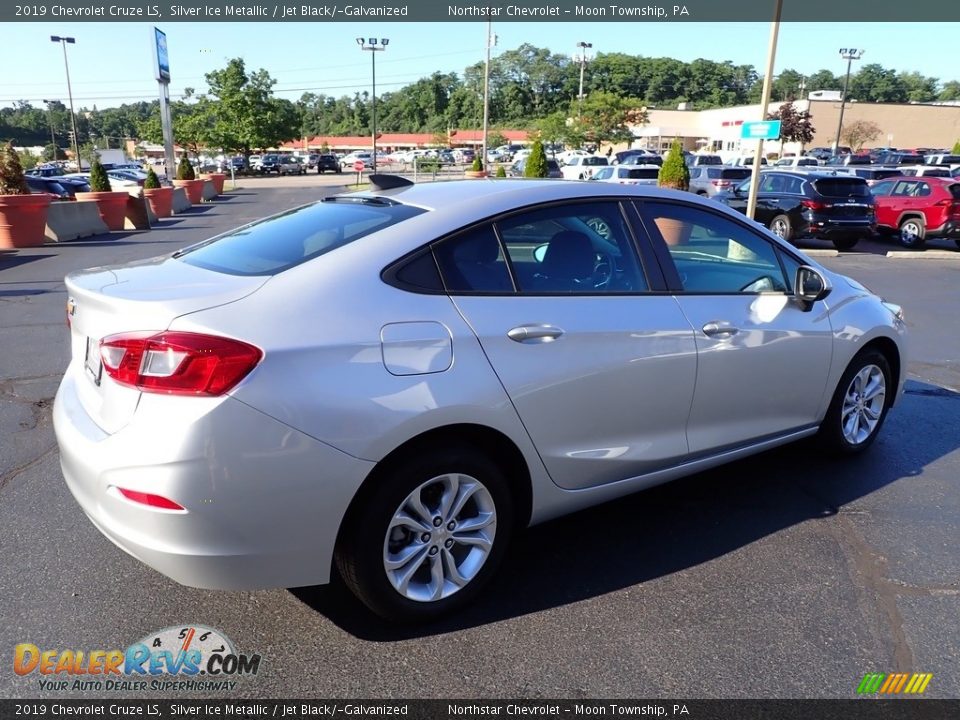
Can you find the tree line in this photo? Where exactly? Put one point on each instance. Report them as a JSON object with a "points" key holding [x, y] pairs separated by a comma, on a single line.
{"points": [[530, 87]]}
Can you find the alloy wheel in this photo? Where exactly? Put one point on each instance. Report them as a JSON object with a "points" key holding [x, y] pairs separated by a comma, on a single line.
{"points": [[439, 537], [863, 404]]}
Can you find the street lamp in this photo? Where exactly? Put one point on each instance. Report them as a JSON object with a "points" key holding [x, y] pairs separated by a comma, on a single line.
{"points": [[848, 54], [73, 118], [583, 61], [53, 137], [372, 45]]}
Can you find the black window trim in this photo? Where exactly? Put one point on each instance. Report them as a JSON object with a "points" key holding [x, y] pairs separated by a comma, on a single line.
{"points": [[648, 263], [669, 268]]}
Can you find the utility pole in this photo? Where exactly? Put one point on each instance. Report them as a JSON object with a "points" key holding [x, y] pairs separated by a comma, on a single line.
{"points": [[486, 92], [764, 103], [371, 45], [848, 54], [64, 41], [583, 61]]}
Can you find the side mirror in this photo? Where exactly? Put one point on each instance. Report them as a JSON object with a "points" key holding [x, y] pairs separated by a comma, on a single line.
{"points": [[810, 285]]}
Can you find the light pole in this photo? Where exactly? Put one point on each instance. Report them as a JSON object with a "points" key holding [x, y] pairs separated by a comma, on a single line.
{"points": [[374, 46], [848, 54], [53, 137], [583, 61], [73, 118], [486, 95]]}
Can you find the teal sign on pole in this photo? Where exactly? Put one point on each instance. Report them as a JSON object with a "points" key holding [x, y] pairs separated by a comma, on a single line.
{"points": [[762, 130]]}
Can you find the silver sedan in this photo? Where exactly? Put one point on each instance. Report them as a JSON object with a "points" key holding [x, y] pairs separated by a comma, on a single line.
{"points": [[394, 382]]}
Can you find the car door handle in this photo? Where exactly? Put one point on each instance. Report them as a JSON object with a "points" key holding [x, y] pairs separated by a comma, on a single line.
{"points": [[719, 330], [534, 334]]}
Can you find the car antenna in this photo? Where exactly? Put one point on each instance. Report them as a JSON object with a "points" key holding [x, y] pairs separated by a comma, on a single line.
{"points": [[381, 181]]}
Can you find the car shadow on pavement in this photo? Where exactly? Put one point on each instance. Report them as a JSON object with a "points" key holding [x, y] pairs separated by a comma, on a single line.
{"points": [[672, 527], [12, 261]]}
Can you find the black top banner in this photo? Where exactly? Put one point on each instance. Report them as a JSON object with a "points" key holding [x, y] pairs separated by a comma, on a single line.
{"points": [[501, 709], [945, 11]]}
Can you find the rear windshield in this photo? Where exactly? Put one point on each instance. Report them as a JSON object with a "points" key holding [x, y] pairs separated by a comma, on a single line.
{"points": [[842, 187], [277, 243], [594, 161], [910, 160], [641, 173], [733, 174], [876, 174], [709, 160]]}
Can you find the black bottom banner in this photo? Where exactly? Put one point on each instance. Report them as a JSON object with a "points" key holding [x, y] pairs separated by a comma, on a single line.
{"points": [[862, 709]]}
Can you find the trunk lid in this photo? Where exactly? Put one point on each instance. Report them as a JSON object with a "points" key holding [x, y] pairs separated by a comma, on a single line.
{"points": [[143, 296]]}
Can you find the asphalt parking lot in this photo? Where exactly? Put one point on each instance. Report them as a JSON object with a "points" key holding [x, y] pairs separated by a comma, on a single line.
{"points": [[784, 575]]}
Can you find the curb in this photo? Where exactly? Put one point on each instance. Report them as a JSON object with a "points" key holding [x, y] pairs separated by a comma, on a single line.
{"points": [[924, 254], [816, 252]]}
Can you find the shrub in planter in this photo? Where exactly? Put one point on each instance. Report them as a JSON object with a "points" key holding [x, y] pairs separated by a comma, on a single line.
{"points": [[159, 198], [536, 166], [185, 169], [477, 165], [674, 172], [476, 170], [23, 216], [152, 182], [956, 148], [501, 172], [112, 206]]}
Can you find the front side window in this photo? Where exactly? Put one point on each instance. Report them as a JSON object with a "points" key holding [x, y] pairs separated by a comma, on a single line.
{"points": [[572, 249], [715, 255]]}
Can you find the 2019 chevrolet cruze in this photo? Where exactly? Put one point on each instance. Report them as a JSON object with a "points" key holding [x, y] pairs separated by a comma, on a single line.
{"points": [[393, 382]]}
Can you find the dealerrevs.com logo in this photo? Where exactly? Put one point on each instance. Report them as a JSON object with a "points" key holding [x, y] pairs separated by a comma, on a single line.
{"points": [[193, 657]]}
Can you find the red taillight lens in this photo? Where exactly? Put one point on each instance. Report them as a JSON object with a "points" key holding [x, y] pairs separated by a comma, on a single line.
{"points": [[812, 204], [150, 500], [178, 363]]}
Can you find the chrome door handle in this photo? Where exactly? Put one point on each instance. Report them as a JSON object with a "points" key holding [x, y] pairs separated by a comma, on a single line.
{"points": [[715, 329], [534, 334]]}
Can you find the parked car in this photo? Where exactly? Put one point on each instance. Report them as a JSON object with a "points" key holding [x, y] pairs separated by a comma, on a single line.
{"points": [[745, 161], [898, 158], [711, 179], [942, 159], [328, 162], [627, 174], [464, 155], [347, 161], [355, 441], [520, 166], [116, 183], [619, 157], [926, 171], [290, 165], [873, 174], [269, 164], [698, 159], [310, 160], [832, 206], [48, 186], [846, 160], [820, 153], [918, 208], [580, 167], [255, 161], [649, 159], [137, 176], [797, 161]]}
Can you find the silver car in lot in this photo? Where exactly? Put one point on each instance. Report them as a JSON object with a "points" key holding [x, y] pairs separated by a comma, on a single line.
{"points": [[394, 382]]}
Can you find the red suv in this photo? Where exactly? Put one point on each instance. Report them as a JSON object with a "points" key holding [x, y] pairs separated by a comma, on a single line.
{"points": [[918, 208]]}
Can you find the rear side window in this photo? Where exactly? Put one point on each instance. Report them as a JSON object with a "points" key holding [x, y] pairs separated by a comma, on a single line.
{"points": [[842, 187], [642, 173], [955, 191], [732, 174], [277, 243]]}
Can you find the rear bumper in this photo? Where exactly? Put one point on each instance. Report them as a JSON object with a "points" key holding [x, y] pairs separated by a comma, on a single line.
{"points": [[263, 502], [950, 229], [828, 228]]}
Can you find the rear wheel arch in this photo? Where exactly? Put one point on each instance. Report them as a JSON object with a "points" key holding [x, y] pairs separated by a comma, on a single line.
{"points": [[485, 440]]}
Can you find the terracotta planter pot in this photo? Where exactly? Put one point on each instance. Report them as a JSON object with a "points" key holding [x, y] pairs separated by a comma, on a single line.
{"points": [[475, 173], [23, 220], [160, 200], [112, 206], [675, 232], [194, 189], [218, 180]]}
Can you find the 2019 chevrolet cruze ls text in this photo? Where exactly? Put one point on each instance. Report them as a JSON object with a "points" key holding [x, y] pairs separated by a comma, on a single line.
{"points": [[393, 382]]}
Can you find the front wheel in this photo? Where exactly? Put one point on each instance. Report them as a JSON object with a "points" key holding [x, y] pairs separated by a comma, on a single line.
{"points": [[859, 405], [429, 538]]}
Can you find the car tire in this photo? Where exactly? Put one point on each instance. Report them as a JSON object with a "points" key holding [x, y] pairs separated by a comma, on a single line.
{"points": [[857, 400], [846, 243], [912, 233], [782, 227], [372, 538]]}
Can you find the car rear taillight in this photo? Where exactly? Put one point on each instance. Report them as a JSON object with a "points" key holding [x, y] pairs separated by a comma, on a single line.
{"points": [[178, 363], [813, 205], [150, 500]]}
